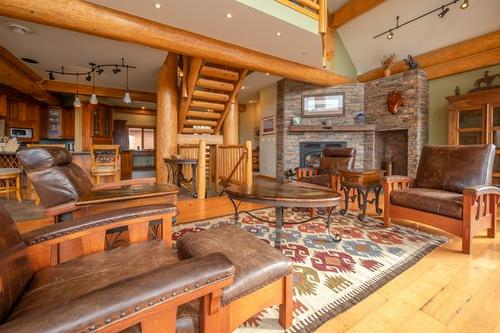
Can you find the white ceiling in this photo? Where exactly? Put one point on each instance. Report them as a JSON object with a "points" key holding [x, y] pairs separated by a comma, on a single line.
{"points": [[421, 36]]}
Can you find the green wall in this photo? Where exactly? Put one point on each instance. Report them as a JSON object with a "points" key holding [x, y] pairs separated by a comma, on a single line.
{"points": [[342, 62], [441, 88]]}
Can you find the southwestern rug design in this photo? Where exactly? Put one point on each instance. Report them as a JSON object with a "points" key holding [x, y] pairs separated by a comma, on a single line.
{"points": [[329, 278]]}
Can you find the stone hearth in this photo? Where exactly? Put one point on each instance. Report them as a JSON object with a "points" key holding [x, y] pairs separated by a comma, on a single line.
{"points": [[371, 97]]}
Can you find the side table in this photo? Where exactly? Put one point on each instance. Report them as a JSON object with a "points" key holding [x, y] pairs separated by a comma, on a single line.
{"points": [[6, 176], [363, 181]]}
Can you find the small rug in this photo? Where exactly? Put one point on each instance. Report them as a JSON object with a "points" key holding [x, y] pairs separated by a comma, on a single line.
{"points": [[328, 277]]}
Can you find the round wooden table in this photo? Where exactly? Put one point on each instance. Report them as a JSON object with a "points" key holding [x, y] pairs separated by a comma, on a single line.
{"points": [[283, 194], [6, 176]]}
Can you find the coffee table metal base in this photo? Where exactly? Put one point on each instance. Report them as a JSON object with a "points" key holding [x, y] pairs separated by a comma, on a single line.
{"points": [[279, 222]]}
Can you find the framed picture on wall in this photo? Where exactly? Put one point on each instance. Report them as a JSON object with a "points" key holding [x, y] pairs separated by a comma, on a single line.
{"points": [[268, 125], [324, 105]]}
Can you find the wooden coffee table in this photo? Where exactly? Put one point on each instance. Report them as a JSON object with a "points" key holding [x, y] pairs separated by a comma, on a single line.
{"points": [[282, 194]]}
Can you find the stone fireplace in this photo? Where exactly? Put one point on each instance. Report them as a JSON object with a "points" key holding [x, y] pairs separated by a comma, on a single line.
{"points": [[310, 152], [395, 139]]}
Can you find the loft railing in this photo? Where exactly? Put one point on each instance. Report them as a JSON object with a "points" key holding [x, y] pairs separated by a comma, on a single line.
{"points": [[318, 10], [234, 164]]}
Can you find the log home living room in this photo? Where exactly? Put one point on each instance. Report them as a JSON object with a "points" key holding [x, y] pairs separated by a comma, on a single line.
{"points": [[172, 166]]}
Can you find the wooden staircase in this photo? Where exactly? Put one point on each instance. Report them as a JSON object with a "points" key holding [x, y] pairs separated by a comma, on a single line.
{"points": [[207, 91]]}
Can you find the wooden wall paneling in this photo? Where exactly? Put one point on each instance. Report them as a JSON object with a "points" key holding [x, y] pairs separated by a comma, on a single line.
{"points": [[68, 123], [3, 105], [120, 135], [166, 115], [93, 19]]}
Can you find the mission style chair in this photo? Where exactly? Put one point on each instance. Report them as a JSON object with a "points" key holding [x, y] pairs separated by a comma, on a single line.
{"points": [[105, 162], [452, 191], [106, 291]]}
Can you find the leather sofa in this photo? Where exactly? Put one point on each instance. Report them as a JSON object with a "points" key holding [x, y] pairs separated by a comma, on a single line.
{"points": [[140, 285], [332, 160], [452, 191]]}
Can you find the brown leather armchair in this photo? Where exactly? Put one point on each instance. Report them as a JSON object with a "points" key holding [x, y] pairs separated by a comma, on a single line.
{"points": [[109, 291], [332, 160], [452, 191], [60, 183]]}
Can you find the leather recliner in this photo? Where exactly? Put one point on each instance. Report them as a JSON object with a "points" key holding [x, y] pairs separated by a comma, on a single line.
{"points": [[332, 160], [452, 191]]}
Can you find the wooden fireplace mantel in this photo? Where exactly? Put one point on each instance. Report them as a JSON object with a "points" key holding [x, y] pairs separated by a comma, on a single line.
{"points": [[335, 128]]}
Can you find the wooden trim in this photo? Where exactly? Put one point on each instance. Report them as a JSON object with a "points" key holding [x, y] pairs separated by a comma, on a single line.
{"points": [[349, 11], [191, 79], [298, 8], [183, 139], [89, 18], [67, 87], [20, 65], [232, 97], [467, 55], [137, 111], [18, 77]]}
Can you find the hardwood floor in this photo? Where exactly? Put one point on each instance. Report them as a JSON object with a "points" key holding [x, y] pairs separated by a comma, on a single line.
{"points": [[446, 291]]}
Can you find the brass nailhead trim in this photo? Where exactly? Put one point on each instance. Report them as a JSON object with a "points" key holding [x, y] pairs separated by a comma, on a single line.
{"points": [[123, 314], [150, 303], [137, 308], [107, 321], [186, 289], [174, 293], [163, 298]]}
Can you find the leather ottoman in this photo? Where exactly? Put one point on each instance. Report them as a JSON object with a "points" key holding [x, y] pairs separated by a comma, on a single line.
{"points": [[263, 275]]}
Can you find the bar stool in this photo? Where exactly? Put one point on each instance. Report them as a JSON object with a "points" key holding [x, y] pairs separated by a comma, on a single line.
{"points": [[8, 175], [105, 162]]}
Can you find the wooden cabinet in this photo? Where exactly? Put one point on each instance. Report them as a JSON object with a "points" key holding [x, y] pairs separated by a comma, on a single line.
{"points": [[474, 118], [57, 123], [24, 115], [97, 125]]}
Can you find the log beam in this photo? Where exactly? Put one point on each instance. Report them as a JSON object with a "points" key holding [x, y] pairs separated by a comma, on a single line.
{"points": [[92, 19], [19, 76], [471, 54], [349, 11], [67, 87], [166, 116]]}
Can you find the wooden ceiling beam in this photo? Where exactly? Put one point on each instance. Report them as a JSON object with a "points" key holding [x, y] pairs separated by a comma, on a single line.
{"points": [[67, 87], [349, 11], [449, 58], [92, 19], [19, 76]]}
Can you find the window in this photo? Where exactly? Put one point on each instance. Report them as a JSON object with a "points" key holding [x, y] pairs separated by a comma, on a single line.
{"points": [[140, 138]]}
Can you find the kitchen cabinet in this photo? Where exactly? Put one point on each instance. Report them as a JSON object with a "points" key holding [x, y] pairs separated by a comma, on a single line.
{"points": [[58, 123], [97, 125]]}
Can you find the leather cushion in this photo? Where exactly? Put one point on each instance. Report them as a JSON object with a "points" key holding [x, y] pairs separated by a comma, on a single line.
{"points": [[256, 263], [452, 168], [339, 152], [15, 270], [41, 158], [56, 285], [430, 200], [335, 158]]}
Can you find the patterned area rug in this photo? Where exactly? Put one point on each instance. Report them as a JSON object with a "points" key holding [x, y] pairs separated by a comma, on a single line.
{"points": [[329, 278]]}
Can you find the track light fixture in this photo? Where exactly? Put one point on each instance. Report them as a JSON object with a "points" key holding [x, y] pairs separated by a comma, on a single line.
{"points": [[88, 77], [116, 70], [77, 103], [51, 76], [443, 10]]}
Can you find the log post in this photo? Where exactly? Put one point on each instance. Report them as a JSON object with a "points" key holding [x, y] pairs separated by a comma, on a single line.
{"points": [[248, 166], [230, 126], [166, 116], [202, 170]]}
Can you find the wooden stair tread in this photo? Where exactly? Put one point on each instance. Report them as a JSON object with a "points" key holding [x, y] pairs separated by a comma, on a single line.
{"points": [[200, 94], [208, 105], [189, 130], [220, 73], [213, 84], [204, 114], [199, 122]]}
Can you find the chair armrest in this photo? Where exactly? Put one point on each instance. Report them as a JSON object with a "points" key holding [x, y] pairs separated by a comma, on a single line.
{"points": [[306, 172], [59, 232], [61, 209], [476, 191], [123, 183], [133, 299], [398, 179]]}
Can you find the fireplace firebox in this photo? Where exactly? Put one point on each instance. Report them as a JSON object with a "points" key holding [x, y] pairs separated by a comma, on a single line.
{"points": [[310, 152]]}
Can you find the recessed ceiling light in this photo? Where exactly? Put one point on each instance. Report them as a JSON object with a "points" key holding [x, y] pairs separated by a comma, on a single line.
{"points": [[18, 28], [252, 101], [464, 4], [267, 74], [143, 107], [229, 15], [158, 5], [243, 88], [278, 34]]}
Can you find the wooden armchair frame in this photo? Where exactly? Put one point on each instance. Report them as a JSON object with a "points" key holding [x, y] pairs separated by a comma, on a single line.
{"points": [[310, 172], [114, 165], [479, 211], [156, 316]]}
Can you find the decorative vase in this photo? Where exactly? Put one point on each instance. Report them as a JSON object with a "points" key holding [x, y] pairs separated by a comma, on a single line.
{"points": [[387, 72]]}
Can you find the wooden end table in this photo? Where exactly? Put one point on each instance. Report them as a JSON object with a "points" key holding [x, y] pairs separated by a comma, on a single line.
{"points": [[363, 181], [281, 194]]}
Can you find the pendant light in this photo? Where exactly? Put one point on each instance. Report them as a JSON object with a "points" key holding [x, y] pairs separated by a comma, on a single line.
{"points": [[93, 98], [77, 103], [127, 98]]}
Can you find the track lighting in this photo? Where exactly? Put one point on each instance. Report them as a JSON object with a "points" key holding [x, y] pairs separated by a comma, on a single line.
{"points": [[441, 10], [444, 10], [116, 70], [127, 98], [51, 76], [100, 71], [93, 99], [88, 77], [77, 102]]}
